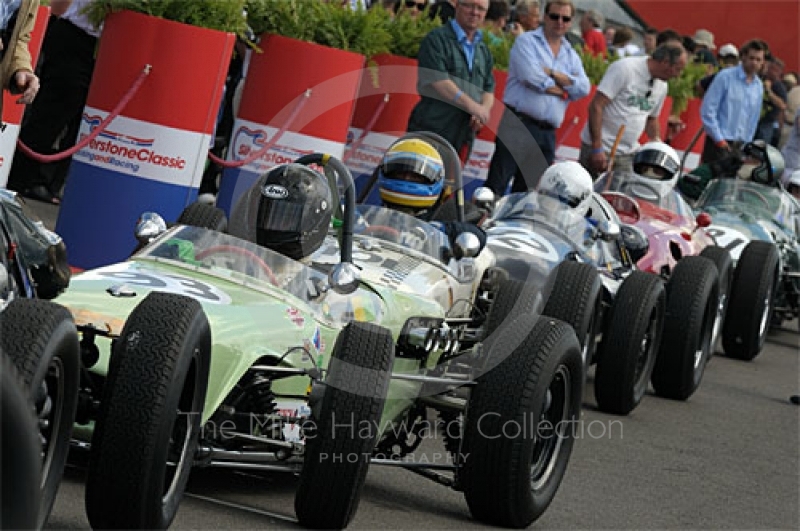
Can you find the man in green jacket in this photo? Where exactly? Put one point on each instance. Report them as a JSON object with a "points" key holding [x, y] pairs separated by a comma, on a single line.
{"points": [[455, 79]]}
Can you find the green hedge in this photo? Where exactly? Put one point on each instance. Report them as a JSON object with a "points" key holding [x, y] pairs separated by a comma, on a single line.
{"points": [[369, 32]]}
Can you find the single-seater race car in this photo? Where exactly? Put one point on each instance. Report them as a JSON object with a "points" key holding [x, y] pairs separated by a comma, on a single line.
{"points": [[616, 310], [698, 273], [40, 340], [760, 226], [756, 221], [206, 349]]}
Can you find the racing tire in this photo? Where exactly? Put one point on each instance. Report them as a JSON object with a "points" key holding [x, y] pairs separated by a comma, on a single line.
{"points": [[204, 216], [509, 478], [751, 302], [576, 299], [512, 300], [687, 340], [628, 351], [347, 418], [40, 338], [148, 426], [722, 260], [20, 457]]}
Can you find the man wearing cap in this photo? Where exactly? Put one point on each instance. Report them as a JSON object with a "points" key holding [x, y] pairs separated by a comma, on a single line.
{"points": [[728, 56], [703, 50], [732, 104]]}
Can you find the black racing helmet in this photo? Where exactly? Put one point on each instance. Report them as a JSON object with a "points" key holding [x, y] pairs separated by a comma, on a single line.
{"points": [[769, 168], [294, 210]]}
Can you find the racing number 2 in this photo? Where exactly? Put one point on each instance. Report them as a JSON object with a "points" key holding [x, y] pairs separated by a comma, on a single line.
{"points": [[525, 242]]}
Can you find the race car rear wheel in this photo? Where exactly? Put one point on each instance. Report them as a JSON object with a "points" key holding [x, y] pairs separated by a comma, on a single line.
{"points": [[692, 305], [520, 419], [628, 351], [347, 420], [721, 258], [20, 459], [148, 426], [204, 216], [575, 298], [41, 339], [754, 283]]}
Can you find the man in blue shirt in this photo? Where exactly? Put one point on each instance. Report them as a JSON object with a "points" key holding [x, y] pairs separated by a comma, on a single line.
{"points": [[455, 79], [545, 74], [732, 105]]}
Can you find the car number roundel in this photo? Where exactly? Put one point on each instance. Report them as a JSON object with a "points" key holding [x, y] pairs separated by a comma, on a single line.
{"points": [[523, 241], [157, 281], [731, 239]]}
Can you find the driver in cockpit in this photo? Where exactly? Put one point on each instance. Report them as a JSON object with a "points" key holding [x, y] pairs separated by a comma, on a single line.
{"points": [[755, 161], [656, 167], [411, 180], [295, 208]]}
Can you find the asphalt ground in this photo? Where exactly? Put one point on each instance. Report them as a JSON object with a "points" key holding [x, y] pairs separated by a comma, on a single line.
{"points": [[728, 458]]}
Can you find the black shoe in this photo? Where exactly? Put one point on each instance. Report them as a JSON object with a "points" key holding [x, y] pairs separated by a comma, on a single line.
{"points": [[41, 193], [795, 399]]}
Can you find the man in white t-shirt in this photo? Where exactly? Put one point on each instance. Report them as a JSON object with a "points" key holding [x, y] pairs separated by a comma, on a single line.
{"points": [[631, 93]]}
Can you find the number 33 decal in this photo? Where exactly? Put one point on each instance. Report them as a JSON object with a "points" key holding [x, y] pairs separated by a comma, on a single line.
{"points": [[162, 282]]}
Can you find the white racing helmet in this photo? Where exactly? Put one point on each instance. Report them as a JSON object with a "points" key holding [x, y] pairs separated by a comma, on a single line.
{"points": [[657, 166], [570, 184]]}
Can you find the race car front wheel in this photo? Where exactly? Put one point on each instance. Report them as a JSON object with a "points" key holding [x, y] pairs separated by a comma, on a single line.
{"points": [[520, 421], [692, 305], [41, 339], [630, 344], [347, 419], [754, 282], [20, 461], [148, 427]]}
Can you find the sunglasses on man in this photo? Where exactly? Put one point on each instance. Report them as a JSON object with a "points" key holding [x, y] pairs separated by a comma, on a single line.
{"points": [[555, 17], [419, 5]]}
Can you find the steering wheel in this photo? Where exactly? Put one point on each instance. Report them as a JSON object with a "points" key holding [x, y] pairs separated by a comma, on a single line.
{"points": [[391, 233], [744, 192], [630, 188], [232, 249]]}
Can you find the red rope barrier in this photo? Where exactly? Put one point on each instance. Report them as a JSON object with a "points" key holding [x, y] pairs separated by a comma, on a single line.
{"points": [[258, 154], [367, 129], [38, 157]]}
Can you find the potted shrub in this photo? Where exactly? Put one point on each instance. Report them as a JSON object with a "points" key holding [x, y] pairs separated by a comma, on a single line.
{"points": [[321, 46]]}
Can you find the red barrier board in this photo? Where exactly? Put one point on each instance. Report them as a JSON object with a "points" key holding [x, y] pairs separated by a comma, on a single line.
{"points": [[182, 91], [285, 70]]}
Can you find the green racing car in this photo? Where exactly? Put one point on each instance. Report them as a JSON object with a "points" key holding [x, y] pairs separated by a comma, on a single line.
{"points": [[205, 349]]}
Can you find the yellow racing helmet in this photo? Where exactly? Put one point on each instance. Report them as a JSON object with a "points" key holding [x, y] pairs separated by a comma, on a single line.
{"points": [[411, 174]]}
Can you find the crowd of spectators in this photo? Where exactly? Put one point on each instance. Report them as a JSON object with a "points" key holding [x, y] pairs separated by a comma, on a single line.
{"points": [[747, 94]]}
